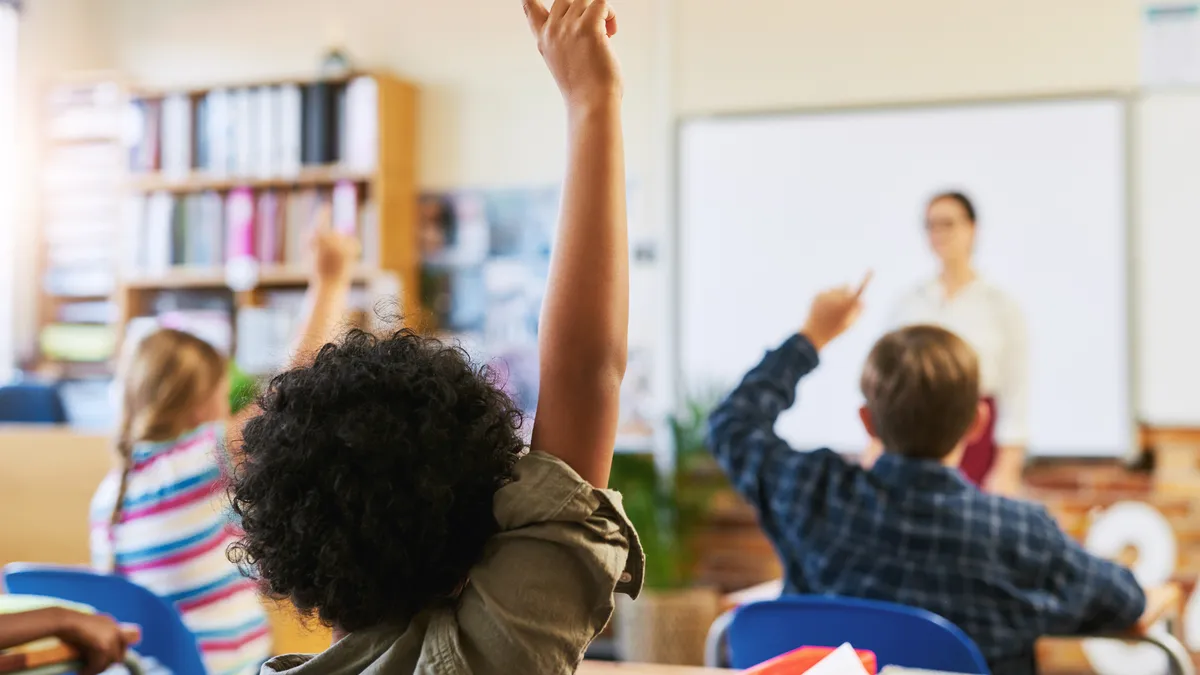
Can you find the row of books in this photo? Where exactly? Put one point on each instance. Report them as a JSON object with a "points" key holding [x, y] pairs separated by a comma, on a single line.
{"points": [[209, 229], [81, 220], [265, 132]]}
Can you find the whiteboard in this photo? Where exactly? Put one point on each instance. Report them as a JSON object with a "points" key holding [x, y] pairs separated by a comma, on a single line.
{"points": [[773, 209], [1167, 170]]}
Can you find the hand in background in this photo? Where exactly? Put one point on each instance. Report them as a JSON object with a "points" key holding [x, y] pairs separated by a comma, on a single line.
{"points": [[334, 253], [573, 37], [833, 312], [97, 637]]}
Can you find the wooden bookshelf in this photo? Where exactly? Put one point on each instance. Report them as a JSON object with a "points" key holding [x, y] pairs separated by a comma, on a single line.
{"points": [[385, 187], [319, 176], [81, 165]]}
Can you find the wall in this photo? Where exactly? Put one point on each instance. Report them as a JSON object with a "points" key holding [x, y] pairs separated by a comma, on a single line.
{"points": [[489, 112], [782, 54]]}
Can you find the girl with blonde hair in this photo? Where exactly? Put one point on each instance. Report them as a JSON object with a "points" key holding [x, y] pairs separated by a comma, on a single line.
{"points": [[162, 518]]}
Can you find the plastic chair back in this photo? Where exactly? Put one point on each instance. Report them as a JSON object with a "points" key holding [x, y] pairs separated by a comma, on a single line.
{"points": [[31, 403], [165, 638], [899, 635]]}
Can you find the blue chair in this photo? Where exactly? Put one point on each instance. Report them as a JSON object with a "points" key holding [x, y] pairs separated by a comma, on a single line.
{"points": [[31, 403], [899, 635], [165, 638]]}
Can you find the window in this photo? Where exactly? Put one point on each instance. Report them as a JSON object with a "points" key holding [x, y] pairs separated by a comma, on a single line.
{"points": [[8, 161]]}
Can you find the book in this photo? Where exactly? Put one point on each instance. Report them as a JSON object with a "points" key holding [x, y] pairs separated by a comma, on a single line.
{"points": [[266, 122], [290, 130], [144, 154], [319, 124], [345, 208], [239, 225], [200, 135], [217, 132], [241, 123], [78, 342], [156, 256], [269, 218], [361, 125], [301, 207], [176, 135]]}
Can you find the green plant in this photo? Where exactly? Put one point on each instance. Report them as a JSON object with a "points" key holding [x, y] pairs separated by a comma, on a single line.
{"points": [[243, 388], [668, 507]]}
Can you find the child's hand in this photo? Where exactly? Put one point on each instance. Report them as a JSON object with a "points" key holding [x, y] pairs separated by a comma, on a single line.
{"points": [[334, 254], [833, 312], [97, 637], [573, 37]]}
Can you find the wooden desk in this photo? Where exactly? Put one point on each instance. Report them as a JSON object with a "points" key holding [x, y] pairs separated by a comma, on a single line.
{"points": [[605, 668], [50, 652], [47, 478]]}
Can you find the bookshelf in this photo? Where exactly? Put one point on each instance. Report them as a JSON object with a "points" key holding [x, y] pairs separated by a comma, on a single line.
{"points": [[221, 187], [76, 259]]}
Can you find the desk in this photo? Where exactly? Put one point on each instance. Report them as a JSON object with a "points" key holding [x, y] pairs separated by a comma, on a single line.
{"points": [[50, 651], [606, 668]]}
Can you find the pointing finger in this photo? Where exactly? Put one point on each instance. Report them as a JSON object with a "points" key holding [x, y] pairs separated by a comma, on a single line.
{"points": [[862, 286]]}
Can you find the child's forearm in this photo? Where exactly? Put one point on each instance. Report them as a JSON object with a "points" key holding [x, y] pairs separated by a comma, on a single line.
{"points": [[25, 627], [584, 328], [324, 310]]}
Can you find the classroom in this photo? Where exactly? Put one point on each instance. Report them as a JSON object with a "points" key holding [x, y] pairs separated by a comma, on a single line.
{"points": [[873, 315]]}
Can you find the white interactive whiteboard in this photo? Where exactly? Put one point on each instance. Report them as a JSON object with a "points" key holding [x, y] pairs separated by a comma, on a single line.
{"points": [[1167, 171], [773, 209]]}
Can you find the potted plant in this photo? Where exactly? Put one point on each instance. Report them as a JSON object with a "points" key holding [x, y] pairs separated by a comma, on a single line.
{"points": [[668, 505]]}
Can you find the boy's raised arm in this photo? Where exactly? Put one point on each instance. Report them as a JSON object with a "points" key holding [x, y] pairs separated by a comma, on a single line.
{"points": [[584, 326]]}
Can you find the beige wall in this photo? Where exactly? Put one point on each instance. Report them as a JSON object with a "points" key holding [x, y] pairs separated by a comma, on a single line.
{"points": [[489, 112], [781, 54]]}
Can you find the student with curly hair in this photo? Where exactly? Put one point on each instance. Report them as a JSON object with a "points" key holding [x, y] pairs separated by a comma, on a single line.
{"points": [[385, 489]]}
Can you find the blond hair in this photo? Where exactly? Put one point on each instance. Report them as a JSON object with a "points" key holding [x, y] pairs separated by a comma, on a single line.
{"points": [[168, 376]]}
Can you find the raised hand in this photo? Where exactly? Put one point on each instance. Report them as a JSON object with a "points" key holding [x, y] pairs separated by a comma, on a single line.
{"points": [[573, 37], [334, 253], [833, 312]]}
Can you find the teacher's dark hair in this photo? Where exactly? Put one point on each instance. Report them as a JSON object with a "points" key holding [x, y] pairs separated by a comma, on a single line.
{"points": [[963, 200]]}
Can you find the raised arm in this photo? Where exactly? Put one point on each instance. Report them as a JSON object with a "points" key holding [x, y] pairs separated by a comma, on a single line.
{"points": [[583, 333], [742, 428], [334, 255]]}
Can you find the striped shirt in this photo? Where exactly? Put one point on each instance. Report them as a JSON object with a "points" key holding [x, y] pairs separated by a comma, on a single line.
{"points": [[171, 538]]}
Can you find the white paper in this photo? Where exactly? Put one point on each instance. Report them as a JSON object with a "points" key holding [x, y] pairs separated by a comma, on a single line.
{"points": [[842, 661], [1170, 44]]}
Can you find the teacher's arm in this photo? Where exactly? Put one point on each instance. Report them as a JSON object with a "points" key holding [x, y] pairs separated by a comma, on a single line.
{"points": [[1012, 424]]}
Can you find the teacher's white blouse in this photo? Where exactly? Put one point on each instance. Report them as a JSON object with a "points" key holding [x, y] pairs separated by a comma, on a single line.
{"points": [[990, 321]]}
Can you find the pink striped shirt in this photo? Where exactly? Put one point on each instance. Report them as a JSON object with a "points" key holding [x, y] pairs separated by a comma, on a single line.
{"points": [[171, 537]]}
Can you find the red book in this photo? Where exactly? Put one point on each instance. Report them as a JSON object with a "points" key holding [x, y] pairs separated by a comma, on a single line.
{"points": [[800, 660]]}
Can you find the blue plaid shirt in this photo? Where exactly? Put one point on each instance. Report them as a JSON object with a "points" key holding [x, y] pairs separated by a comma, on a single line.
{"points": [[912, 531]]}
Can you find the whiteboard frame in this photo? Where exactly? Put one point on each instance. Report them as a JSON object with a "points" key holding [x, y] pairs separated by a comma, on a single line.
{"points": [[1125, 99]]}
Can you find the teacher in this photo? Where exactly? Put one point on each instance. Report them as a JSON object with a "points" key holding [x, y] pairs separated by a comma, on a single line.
{"points": [[990, 321]]}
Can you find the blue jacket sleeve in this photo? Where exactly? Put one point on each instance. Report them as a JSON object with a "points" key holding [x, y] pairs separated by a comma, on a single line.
{"points": [[742, 428]]}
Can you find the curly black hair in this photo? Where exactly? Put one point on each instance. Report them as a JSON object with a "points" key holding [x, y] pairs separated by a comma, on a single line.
{"points": [[366, 483]]}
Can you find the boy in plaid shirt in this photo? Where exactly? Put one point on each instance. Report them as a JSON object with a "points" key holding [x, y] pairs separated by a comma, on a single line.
{"points": [[911, 529]]}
